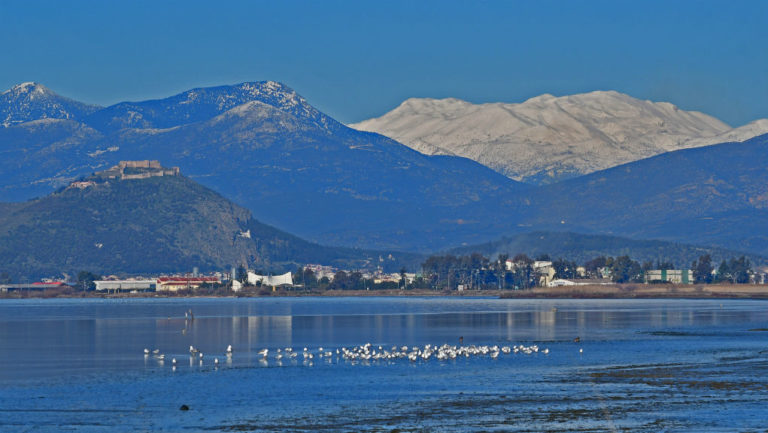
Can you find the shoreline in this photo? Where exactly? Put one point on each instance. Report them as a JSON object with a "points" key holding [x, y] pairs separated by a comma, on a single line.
{"points": [[614, 291], [645, 291]]}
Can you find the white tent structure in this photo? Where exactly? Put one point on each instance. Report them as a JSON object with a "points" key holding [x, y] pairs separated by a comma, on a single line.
{"points": [[270, 280]]}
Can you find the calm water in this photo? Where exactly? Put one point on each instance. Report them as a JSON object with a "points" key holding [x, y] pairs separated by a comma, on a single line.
{"points": [[667, 365]]}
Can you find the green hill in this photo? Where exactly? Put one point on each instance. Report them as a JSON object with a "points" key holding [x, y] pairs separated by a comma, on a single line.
{"points": [[143, 226]]}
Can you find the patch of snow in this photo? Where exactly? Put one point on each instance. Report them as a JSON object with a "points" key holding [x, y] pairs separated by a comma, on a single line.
{"points": [[24, 87], [96, 153]]}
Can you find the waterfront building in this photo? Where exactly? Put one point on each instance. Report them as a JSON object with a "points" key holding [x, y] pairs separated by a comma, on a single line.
{"points": [[285, 279], [125, 285], [675, 276], [173, 284]]}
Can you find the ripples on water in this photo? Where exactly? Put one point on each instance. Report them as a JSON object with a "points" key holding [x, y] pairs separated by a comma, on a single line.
{"points": [[682, 365]]}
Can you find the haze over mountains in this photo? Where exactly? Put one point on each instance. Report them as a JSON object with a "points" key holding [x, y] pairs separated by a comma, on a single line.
{"points": [[266, 148], [547, 139]]}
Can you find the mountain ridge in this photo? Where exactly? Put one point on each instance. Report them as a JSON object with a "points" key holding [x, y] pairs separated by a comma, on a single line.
{"points": [[714, 194], [307, 174], [32, 101], [201, 104], [295, 167], [547, 138]]}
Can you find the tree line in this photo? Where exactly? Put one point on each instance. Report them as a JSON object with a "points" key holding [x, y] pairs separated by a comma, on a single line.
{"points": [[475, 271]]}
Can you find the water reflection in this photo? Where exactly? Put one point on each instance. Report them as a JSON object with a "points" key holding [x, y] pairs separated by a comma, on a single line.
{"points": [[76, 340]]}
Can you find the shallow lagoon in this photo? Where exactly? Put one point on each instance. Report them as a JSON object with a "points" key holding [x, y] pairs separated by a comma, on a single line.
{"points": [[647, 365]]}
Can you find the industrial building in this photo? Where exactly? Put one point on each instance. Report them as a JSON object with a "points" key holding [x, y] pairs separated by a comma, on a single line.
{"points": [[675, 276], [173, 284], [125, 285]]}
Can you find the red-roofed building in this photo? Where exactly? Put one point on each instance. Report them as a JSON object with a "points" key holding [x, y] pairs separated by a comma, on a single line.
{"points": [[172, 284]]}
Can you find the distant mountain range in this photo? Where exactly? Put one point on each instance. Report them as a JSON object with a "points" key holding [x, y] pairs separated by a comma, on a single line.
{"points": [[547, 139], [106, 225], [266, 148]]}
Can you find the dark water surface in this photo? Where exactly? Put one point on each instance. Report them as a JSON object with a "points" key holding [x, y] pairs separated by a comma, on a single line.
{"points": [[646, 365]]}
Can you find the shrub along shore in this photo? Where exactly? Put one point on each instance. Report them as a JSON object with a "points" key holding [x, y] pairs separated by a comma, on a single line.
{"points": [[611, 291]]}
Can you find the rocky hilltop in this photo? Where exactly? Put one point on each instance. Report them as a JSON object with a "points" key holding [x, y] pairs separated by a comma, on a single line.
{"points": [[142, 218]]}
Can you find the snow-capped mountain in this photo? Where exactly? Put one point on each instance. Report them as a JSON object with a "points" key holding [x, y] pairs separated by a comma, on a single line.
{"points": [[263, 146], [546, 139], [202, 104], [32, 101]]}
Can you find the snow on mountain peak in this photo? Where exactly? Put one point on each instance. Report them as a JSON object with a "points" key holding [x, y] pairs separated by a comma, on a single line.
{"points": [[24, 87], [546, 97], [547, 138], [31, 101], [27, 88], [203, 104]]}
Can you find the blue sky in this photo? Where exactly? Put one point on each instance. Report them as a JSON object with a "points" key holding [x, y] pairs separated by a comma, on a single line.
{"points": [[356, 60]]}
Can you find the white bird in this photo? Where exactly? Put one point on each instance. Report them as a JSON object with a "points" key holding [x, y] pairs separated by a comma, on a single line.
{"points": [[216, 361], [229, 350], [146, 351], [173, 361], [581, 350]]}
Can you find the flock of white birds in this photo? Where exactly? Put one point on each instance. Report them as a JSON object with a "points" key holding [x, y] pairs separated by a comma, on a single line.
{"points": [[365, 352]]}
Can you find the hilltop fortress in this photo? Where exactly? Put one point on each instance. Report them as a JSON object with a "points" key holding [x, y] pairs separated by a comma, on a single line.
{"points": [[127, 170], [138, 170]]}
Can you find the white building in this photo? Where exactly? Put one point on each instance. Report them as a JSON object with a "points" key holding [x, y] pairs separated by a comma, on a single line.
{"points": [[676, 276], [270, 280], [579, 282], [124, 285]]}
